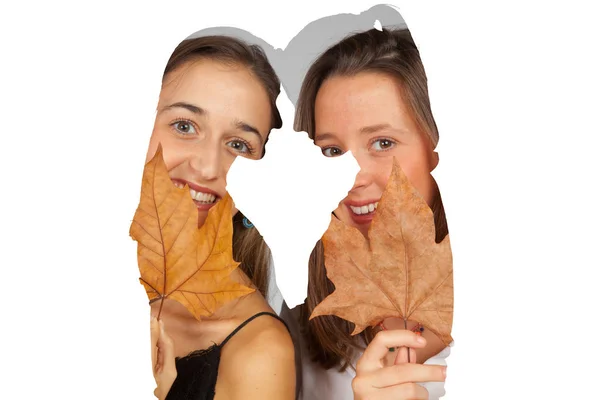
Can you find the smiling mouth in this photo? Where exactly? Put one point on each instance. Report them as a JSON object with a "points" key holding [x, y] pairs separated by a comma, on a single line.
{"points": [[365, 209], [199, 197]]}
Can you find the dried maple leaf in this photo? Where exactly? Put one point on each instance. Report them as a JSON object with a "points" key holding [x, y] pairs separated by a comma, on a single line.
{"points": [[176, 259], [399, 271]]}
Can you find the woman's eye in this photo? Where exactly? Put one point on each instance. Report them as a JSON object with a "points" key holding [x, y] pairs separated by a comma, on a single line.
{"points": [[332, 152], [383, 144], [239, 146], [184, 128]]}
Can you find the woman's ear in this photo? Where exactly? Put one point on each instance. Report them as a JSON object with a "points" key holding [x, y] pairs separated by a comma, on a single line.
{"points": [[435, 159]]}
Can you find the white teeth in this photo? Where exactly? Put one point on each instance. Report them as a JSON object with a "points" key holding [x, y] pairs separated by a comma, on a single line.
{"points": [[198, 196], [202, 197], [364, 209]]}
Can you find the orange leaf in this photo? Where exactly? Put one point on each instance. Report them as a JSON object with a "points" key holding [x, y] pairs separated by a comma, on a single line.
{"points": [[399, 271], [176, 259]]}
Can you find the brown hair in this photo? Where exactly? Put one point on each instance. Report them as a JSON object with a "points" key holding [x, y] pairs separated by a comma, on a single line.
{"points": [[249, 247], [391, 52]]}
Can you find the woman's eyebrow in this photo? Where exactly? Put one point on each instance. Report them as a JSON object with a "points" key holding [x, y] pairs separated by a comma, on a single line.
{"points": [[374, 128], [245, 127], [365, 130], [190, 107], [241, 125], [324, 136], [379, 127]]}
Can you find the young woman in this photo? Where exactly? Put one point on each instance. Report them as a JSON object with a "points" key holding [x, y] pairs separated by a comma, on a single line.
{"points": [[217, 102], [368, 94]]}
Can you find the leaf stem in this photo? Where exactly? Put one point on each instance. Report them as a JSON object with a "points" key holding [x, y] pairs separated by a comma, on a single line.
{"points": [[408, 349], [162, 300]]}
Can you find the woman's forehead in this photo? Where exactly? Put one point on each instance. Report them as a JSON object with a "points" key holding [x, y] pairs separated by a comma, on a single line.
{"points": [[208, 78], [360, 101], [224, 88], [362, 89]]}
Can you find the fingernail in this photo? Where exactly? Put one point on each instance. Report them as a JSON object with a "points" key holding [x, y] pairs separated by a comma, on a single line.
{"points": [[444, 371], [421, 340]]}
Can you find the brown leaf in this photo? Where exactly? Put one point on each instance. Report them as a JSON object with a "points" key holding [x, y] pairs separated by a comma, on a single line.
{"points": [[176, 259], [398, 272]]}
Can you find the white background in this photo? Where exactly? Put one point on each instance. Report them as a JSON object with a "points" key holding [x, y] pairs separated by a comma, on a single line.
{"points": [[514, 88]]}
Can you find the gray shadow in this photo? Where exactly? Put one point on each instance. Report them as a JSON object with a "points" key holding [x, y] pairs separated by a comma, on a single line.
{"points": [[292, 63]]}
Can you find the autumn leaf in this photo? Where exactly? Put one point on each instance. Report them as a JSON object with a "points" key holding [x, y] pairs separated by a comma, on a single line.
{"points": [[176, 259], [399, 271]]}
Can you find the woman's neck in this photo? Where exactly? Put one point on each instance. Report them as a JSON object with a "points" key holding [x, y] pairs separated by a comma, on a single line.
{"points": [[236, 308], [190, 334]]}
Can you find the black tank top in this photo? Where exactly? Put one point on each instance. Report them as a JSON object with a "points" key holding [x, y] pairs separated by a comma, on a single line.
{"points": [[197, 372]]}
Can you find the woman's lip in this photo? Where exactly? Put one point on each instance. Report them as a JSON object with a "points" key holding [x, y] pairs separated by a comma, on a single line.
{"points": [[199, 205], [204, 206], [198, 188], [360, 203], [363, 218]]}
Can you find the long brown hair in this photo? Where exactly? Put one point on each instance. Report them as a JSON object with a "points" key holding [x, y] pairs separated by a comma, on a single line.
{"points": [[249, 247], [392, 52]]}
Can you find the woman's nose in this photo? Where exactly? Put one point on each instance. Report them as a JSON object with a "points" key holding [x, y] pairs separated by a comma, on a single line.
{"points": [[206, 162], [365, 175]]}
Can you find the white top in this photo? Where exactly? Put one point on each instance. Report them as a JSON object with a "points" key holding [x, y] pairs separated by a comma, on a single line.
{"points": [[320, 384]]}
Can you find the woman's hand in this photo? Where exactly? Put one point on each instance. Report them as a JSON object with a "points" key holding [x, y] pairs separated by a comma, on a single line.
{"points": [[163, 359], [375, 381]]}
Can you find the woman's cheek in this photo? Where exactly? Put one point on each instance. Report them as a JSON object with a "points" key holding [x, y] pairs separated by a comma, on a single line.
{"points": [[151, 150], [423, 182], [417, 172], [383, 170], [155, 139]]}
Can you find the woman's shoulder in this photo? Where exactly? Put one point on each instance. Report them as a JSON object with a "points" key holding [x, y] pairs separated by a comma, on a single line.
{"points": [[261, 351], [263, 332]]}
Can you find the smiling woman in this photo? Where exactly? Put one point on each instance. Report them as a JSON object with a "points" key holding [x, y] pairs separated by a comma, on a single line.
{"points": [[217, 102], [366, 113], [368, 94]]}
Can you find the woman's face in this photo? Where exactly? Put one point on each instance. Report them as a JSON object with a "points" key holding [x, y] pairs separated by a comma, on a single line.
{"points": [[366, 114], [209, 113]]}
